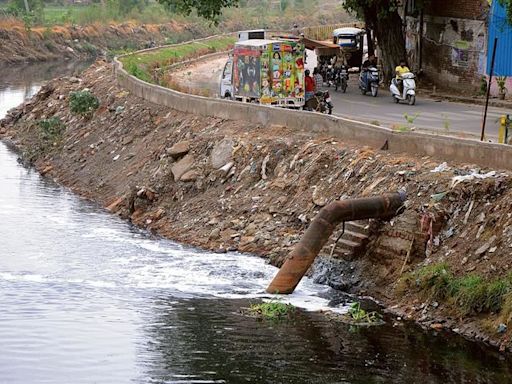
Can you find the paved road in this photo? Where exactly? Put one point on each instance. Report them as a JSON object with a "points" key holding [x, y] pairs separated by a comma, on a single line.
{"points": [[440, 117], [447, 118]]}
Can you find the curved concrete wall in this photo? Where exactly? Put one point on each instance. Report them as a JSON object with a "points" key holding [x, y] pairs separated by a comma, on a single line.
{"points": [[441, 148]]}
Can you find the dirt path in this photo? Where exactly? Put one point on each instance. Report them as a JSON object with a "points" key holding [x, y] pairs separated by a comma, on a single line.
{"points": [[201, 77]]}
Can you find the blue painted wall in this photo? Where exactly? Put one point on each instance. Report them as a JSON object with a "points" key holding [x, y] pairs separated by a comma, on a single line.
{"points": [[499, 27]]}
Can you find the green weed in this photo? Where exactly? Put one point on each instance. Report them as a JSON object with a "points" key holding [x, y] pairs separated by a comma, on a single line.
{"points": [[143, 65], [272, 310], [83, 102], [433, 280], [51, 130], [446, 122], [468, 294], [359, 315], [411, 119]]}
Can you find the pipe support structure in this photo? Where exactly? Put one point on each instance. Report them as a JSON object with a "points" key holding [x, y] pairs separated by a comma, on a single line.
{"points": [[323, 225]]}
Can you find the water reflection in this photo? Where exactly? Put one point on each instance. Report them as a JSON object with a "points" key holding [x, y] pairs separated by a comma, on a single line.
{"points": [[20, 82], [204, 341]]}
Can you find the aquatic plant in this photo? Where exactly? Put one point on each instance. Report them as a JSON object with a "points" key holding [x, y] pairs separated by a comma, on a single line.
{"points": [[359, 315], [272, 310]]}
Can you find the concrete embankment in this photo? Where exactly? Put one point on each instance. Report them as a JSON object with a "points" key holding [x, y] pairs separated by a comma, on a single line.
{"points": [[223, 183]]}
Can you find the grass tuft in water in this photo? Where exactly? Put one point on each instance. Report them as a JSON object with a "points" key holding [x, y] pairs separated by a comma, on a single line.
{"points": [[272, 310], [359, 315]]}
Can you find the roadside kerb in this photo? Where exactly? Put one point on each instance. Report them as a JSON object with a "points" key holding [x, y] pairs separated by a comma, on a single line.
{"points": [[443, 148]]}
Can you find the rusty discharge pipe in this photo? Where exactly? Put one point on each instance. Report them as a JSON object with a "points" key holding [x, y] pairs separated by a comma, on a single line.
{"points": [[300, 259]]}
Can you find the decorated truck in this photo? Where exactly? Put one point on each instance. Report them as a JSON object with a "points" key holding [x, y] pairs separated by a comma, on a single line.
{"points": [[265, 71]]}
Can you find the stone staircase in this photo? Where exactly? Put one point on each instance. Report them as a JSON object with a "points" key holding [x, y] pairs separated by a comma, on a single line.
{"points": [[353, 241]]}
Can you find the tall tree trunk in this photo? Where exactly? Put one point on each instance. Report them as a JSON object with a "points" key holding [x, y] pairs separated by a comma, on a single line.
{"points": [[369, 37], [27, 8], [391, 41]]}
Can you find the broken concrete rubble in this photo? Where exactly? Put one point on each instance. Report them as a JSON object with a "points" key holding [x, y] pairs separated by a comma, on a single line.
{"points": [[182, 166], [179, 149]]}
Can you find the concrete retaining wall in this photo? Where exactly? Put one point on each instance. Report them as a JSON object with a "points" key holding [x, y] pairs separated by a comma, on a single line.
{"points": [[442, 148]]}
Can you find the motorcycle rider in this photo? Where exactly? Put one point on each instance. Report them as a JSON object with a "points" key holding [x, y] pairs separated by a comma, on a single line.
{"points": [[399, 71], [370, 62]]}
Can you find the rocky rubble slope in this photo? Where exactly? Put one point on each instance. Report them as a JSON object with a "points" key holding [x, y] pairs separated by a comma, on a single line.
{"points": [[232, 186]]}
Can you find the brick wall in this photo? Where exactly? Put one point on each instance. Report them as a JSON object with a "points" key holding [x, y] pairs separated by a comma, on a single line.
{"points": [[461, 9], [454, 43]]}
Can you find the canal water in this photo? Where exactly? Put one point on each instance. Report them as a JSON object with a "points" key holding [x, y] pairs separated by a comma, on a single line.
{"points": [[87, 298]]}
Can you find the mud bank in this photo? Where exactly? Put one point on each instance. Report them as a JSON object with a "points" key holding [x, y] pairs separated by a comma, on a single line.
{"points": [[231, 186], [38, 44]]}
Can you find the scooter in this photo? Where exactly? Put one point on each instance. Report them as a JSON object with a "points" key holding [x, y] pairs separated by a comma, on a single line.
{"points": [[369, 81], [341, 79], [408, 93], [320, 102]]}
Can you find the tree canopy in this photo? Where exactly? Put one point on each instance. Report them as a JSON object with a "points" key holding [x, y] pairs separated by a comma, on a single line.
{"points": [[508, 6], [209, 9]]}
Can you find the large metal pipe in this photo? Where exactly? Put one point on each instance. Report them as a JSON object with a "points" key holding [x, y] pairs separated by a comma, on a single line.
{"points": [[303, 255]]}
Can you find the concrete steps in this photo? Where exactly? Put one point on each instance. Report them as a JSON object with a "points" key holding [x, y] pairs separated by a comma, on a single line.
{"points": [[353, 241]]}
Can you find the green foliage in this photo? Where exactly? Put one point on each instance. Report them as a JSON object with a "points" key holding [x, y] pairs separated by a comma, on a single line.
{"points": [[411, 119], [508, 7], [359, 315], [50, 130], [432, 279], [143, 65], [83, 102], [501, 81], [32, 16], [133, 69], [469, 294], [272, 310], [209, 9], [483, 86]]}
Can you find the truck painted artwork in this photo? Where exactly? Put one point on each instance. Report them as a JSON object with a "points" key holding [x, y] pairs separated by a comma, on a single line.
{"points": [[268, 72]]}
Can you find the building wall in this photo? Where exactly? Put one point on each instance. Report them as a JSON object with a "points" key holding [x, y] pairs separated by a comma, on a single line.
{"points": [[459, 9], [454, 43]]}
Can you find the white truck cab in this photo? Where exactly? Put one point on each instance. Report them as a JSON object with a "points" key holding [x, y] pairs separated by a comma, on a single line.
{"points": [[226, 80], [255, 34]]}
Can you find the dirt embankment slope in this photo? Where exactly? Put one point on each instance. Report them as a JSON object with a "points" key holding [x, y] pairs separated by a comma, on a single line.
{"points": [[229, 185], [20, 45]]}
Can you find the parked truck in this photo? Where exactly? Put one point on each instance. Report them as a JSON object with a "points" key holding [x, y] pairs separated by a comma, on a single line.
{"points": [[265, 71]]}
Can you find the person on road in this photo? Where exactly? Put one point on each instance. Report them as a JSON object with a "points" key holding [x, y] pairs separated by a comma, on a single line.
{"points": [[310, 85], [319, 80], [399, 71], [370, 62]]}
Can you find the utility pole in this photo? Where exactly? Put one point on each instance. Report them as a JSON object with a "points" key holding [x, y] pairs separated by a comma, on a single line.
{"points": [[482, 137], [27, 8]]}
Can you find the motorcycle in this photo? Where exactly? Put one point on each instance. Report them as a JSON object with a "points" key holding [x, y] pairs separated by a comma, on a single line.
{"points": [[408, 93], [341, 79], [369, 81], [330, 76], [320, 102]]}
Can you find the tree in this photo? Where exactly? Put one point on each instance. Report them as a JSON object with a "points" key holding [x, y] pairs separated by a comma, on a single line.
{"points": [[383, 18], [508, 6], [209, 9]]}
